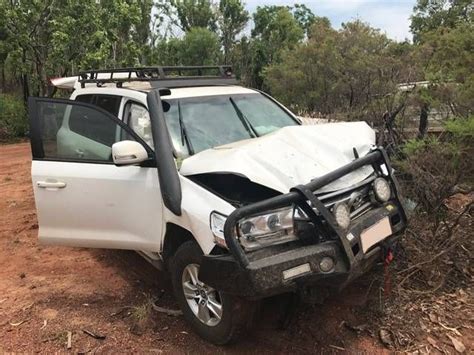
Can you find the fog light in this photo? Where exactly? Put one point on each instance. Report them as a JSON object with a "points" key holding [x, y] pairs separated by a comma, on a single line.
{"points": [[342, 215], [326, 264], [382, 189]]}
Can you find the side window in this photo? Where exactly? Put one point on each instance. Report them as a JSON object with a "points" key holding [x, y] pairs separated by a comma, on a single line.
{"points": [[85, 98], [109, 103], [72, 131], [138, 118]]}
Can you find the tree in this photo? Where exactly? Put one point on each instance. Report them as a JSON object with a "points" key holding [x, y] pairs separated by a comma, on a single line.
{"points": [[276, 27], [200, 47], [309, 72], [304, 16], [232, 20], [350, 74], [446, 56], [275, 30], [194, 13], [4, 49], [167, 52], [57, 37], [432, 14]]}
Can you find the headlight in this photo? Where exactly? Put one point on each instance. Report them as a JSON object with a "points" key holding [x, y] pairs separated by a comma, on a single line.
{"points": [[217, 222], [382, 189], [275, 227], [342, 214]]}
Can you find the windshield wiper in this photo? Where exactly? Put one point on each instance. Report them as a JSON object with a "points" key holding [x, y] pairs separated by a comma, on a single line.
{"points": [[243, 119], [182, 129]]}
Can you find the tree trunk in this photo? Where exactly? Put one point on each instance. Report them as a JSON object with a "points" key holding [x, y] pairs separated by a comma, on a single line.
{"points": [[24, 82], [26, 89], [3, 84], [423, 127]]}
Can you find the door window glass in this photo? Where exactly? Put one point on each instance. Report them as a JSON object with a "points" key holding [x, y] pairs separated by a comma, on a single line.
{"points": [[71, 131], [91, 124]]}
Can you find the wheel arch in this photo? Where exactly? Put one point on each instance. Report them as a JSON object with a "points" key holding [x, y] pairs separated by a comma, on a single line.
{"points": [[175, 236]]}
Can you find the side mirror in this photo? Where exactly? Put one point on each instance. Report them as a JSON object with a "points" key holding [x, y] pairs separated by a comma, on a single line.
{"points": [[128, 153]]}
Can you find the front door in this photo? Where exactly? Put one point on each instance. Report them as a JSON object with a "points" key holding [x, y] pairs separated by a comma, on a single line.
{"points": [[82, 198]]}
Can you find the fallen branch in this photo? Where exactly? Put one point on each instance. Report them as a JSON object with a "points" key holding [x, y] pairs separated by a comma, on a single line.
{"points": [[170, 312], [93, 335]]}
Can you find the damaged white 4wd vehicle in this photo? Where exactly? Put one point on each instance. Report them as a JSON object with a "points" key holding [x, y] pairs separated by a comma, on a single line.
{"points": [[217, 183]]}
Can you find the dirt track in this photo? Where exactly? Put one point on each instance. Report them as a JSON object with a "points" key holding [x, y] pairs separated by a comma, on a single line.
{"points": [[46, 292]]}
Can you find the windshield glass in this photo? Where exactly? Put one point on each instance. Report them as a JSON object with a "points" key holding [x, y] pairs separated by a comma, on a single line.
{"points": [[200, 123]]}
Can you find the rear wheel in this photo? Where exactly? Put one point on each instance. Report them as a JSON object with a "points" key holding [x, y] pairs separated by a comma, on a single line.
{"points": [[217, 317]]}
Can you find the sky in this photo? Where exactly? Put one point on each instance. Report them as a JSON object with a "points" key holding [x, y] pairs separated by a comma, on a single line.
{"points": [[390, 16]]}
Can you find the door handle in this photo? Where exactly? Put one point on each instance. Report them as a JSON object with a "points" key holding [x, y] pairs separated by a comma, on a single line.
{"points": [[51, 184]]}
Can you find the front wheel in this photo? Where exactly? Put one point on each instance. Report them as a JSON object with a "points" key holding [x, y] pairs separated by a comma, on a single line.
{"points": [[217, 317]]}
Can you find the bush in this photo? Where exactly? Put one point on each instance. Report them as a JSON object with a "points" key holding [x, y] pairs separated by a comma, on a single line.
{"points": [[437, 174], [435, 168], [462, 129], [13, 120]]}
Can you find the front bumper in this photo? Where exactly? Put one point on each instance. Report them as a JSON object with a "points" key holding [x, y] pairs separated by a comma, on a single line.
{"points": [[262, 274]]}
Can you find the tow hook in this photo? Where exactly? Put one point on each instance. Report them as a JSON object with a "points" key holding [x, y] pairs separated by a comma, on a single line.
{"points": [[388, 256]]}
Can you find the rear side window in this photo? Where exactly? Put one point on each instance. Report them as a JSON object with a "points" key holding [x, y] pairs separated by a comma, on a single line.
{"points": [[72, 131], [85, 98], [109, 103]]}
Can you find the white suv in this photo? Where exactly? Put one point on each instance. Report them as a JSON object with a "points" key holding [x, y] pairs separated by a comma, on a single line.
{"points": [[217, 183]]}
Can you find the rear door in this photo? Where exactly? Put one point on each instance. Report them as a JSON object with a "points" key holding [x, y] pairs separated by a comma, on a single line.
{"points": [[82, 198]]}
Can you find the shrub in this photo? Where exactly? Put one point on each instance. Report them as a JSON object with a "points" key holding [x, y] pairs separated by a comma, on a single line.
{"points": [[13, 120]]}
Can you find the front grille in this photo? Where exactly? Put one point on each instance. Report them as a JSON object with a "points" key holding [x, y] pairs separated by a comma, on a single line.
{"points": [[358, 197]]}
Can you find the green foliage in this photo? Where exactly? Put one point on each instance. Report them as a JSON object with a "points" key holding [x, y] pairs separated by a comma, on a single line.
{"points": [[430, 15], [305, 17], [13, 122], [200, 47], [277, 28], [232, 18], [275, 31], [194, 13], [462, 129], [52, 38], [446, 55], [414, 146], [353, 71]]}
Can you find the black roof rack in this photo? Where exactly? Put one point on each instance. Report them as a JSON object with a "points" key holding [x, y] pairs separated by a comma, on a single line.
{"points": [[162, 77]]}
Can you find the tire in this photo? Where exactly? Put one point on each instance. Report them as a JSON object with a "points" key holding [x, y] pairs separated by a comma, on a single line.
{"points": [[235, 314]]}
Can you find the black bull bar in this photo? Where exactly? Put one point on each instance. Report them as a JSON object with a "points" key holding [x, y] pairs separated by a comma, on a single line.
{"points": [[302, 194]]}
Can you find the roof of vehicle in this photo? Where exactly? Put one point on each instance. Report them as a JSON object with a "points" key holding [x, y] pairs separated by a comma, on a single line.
{"points": [[176, 93], [203, 81]]}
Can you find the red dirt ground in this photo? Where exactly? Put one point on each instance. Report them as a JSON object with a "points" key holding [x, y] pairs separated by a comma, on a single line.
{"points": [[46, 292]]}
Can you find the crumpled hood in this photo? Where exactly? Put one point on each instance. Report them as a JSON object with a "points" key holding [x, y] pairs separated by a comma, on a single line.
{"points": [[290, 156]]}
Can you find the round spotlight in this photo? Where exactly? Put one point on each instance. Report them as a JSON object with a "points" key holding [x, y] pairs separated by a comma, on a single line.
{"points": [[382, 189], [342, 214], [246, 227], [273, 221], [326, 264]]}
